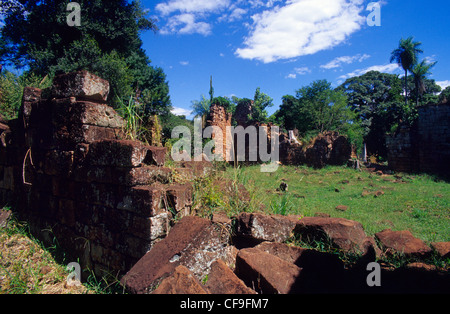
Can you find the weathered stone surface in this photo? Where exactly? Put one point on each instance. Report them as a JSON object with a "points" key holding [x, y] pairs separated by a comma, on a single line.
{"points": [[321, 272], [30, 95], [222, 280], [328, 149], [261, 227], [402, 242], [265, 273], [182, 281], [67, 137], [179, 198], [71, 111], [193, 242], [145, 175], [442, 248], [124, 153], [346, 235], [5, 215], [304, 258], [146, 201], [81, 84]]}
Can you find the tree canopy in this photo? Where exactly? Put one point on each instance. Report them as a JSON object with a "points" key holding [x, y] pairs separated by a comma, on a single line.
{"points": [[37, 38]]}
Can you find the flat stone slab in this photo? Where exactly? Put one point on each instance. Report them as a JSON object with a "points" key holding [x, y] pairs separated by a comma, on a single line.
{"points": [[402, 242], [259, 227], [182, 281], [193, 242], [81, 84], [222, 280], [266, 273], [347, 235], [442, 248]]}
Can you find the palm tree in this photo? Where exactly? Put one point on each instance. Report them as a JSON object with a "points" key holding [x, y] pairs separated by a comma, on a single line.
{"points": [[420, 72], [406, 57]]}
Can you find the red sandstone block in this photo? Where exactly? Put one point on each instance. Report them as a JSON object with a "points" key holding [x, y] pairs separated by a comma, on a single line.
{"points": [[98, 194], [81, 84], [69, 111], [68, 136], [145, 201], [132, 246], [179, 197], [123, 153]]}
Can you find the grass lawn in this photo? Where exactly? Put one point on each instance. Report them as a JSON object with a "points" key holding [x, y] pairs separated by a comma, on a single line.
{"points": [[419, 203]]}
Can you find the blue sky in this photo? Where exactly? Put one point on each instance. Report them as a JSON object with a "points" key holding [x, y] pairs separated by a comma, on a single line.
{"points": [[282, 45]]}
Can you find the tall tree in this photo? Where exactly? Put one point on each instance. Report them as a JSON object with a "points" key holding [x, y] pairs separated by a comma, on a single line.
{"points": [[317, 108], [406, 55], [420, 72], [261, 102], [376, 99], [37, 37]]}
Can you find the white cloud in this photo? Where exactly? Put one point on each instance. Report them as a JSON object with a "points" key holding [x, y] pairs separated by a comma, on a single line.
{"points": [[301, 27], [299, 71], [443, 84], [184, 63], [191, 6], [339, 61], [387, 68], [181, 112], [186, 24]]}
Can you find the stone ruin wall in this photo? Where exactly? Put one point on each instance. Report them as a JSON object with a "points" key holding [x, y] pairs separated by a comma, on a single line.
{"points": [[67, 169], [426, 146], [328, 148]]}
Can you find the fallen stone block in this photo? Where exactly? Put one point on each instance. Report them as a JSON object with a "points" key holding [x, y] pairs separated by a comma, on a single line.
{"points": [[193, 242], [222, 280], [81, 84], [321, 272], [344, 234], [259, 227], [402, 242], [182, 281], [267, 274], [442, 248]]}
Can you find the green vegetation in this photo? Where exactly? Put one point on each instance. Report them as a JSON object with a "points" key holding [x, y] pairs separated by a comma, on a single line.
{"points": [[419, 203], [36, 38]]}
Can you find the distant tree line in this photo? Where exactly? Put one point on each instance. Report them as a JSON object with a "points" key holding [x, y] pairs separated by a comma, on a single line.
{"points": [[366, 108]]}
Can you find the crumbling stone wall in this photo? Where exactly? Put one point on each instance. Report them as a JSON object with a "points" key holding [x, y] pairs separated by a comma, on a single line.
{"points": [[70, 173], [426, 146], [329, 148], [219, 117]]}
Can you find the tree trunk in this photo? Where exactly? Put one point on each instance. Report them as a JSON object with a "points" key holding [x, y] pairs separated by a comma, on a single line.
{"points": [[406, 88]]}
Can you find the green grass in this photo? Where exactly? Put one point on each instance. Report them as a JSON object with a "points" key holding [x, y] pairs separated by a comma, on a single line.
{"points": [[419, 203]]}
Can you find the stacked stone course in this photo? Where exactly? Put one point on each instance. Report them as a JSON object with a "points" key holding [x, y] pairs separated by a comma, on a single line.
{"points": [[425, 147], [66, 166]]}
